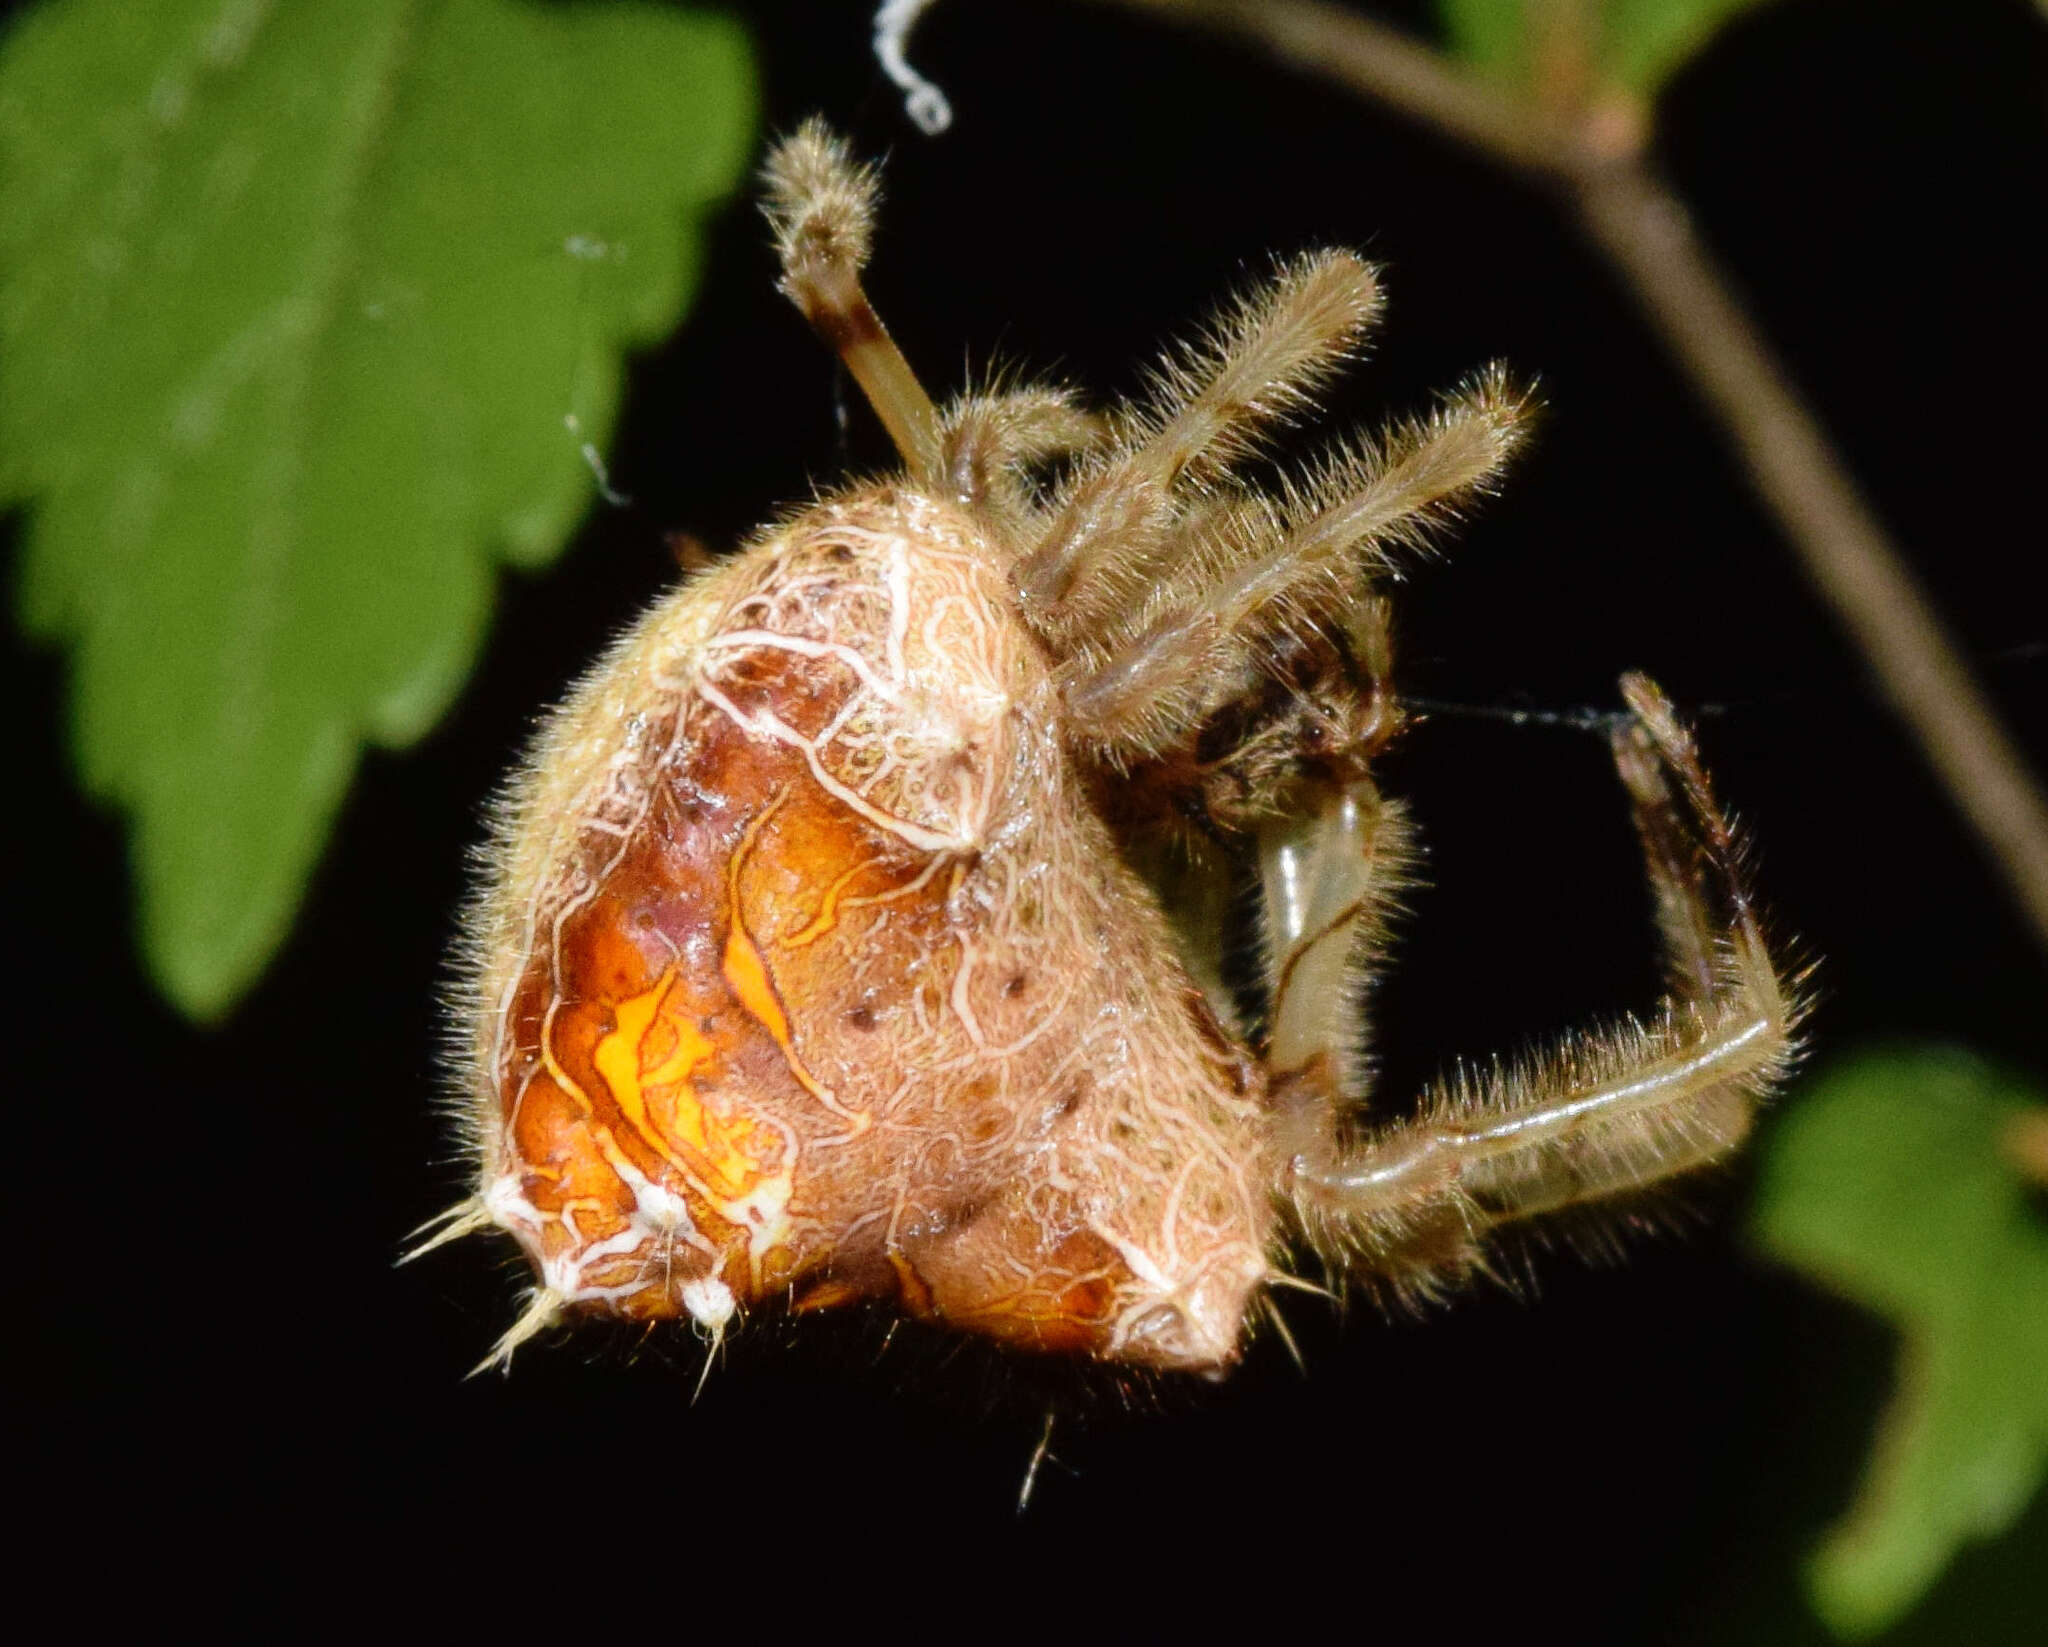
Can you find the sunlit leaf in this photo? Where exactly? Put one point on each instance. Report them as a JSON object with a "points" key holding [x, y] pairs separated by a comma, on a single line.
{"points": [[306, 314], [1628, 45], [1898, 1181]]}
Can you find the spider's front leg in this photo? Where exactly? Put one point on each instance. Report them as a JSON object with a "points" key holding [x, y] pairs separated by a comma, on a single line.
{"points": [[1602, 1113]]}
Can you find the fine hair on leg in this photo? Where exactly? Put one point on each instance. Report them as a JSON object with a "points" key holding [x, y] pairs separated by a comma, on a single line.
{"points": [[989, 444], [1261, 362], [1246, 569]]}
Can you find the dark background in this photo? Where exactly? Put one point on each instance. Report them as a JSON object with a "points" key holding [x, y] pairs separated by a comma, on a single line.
{"points": [[208, 1329]]}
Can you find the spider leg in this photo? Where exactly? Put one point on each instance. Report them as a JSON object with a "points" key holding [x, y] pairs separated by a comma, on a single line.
{"points": [[1330, 880], [988, 443], [1247, 570], [821, 204], [1602, 1113], [1262, 362]]}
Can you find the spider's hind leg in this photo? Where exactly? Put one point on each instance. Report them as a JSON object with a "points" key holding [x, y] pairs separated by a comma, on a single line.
{"points": [[1602, 1113]]}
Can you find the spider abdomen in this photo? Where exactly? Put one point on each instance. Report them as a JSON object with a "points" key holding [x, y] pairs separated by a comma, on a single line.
{"points": [[813, 976]]}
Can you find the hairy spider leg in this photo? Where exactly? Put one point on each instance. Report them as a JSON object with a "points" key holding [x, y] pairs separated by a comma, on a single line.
{"points": [[1260, 362], [1606, 1110], [1151, 571], [821, 204], [1251, 570], [989, 443], [1330, 879]]}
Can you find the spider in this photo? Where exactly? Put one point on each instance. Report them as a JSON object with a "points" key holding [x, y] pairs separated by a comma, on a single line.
{"points": [[855, 930]]}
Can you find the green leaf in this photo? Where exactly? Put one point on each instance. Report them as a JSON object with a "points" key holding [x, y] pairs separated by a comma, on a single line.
{"points": [[306, 313], [1644, 42], [1896, 1181], [1629, 45], [1491, 36]]}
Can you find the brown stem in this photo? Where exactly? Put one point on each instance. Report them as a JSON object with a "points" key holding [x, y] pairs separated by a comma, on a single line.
{"points": [[1381, 63], [1645, 232]]}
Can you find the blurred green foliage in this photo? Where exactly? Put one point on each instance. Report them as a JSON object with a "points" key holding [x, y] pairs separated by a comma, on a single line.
{"points": [[1899, 1180], [308, 313], [1630, 45]]}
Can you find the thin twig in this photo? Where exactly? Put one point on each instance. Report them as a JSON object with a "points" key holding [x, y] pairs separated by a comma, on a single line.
{"points": [[1645, 231], [1385, 64]]}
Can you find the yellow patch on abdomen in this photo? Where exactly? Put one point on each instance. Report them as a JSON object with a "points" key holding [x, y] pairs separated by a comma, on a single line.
{"points": [[648, 1061]]}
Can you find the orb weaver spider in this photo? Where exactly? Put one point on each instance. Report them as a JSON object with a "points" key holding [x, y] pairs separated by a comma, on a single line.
{"points": [[854, 931]]}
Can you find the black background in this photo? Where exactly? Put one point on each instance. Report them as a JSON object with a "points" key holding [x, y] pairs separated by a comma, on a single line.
{"points": [[208, 1328]]}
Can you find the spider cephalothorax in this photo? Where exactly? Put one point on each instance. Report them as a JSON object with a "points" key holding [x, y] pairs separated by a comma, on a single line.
{"points": [[854, 928]]}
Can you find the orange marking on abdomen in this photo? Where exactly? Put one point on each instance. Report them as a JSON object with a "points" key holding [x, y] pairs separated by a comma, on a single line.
{"points": [[828, 912], [747, 973]]}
